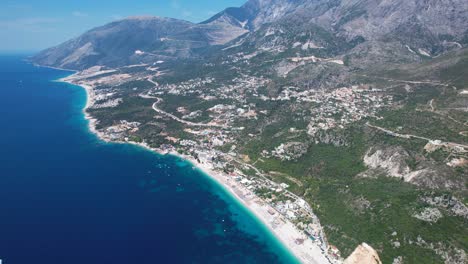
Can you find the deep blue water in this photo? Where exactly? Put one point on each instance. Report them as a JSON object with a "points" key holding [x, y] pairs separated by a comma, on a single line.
{"points": [[66, 197]]}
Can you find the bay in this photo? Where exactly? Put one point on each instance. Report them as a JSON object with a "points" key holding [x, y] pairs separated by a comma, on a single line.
{"points": [[67, 197]]}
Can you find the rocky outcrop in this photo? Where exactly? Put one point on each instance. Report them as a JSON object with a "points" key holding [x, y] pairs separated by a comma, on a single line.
{"points": [[389, 31], [290, 150], [449, 254], [431, 215], [393, 161], [334, 138], [398, 260], [363, 254], [453, 205], [417, 23]]}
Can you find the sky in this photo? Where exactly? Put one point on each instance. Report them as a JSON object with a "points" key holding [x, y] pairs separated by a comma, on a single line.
{"points": [[32, 25]]}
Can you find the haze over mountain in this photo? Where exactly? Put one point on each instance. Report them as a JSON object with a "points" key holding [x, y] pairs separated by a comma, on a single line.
{"points": [[117, 43], [427, 27]]}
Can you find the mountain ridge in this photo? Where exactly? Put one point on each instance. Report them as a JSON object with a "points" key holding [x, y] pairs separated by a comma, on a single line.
{"points": [[406, 22]]}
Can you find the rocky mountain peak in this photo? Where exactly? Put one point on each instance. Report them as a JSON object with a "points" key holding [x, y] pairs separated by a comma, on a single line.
{"points": [[426, 27]]}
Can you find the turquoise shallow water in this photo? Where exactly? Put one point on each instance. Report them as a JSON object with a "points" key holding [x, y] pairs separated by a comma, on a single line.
{"points": [[67, 197]]}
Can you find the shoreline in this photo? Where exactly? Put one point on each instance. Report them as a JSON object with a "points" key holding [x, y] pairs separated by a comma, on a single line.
{"points": [[281, 228]]}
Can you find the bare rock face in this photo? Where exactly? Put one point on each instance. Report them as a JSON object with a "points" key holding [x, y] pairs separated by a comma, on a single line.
{"points": [[391, 160], [394, 162], [398, 260], [290, 150], [426, 27], [371, 19], [450, 203], [431, 215], [363, 254]]}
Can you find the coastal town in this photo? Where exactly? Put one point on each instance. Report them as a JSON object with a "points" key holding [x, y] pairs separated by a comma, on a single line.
{"points": [[289, 216], [210, 120], [276, 131]]}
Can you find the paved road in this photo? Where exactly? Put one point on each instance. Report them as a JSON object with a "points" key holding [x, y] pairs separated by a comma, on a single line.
{"points": [[409, 136], [155, 108]]}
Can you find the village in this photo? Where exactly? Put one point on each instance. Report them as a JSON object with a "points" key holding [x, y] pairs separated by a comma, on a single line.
{"points": [[212, 143]]}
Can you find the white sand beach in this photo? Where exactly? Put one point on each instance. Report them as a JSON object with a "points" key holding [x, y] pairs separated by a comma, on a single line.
{"points": [[298, 243]]}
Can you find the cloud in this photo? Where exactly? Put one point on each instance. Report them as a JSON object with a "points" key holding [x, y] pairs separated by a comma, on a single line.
{"points": [[79, 14], [32, 24]]}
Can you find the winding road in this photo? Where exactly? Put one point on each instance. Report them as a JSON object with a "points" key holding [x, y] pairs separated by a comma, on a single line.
{"points": [[155, 108], [409, 136]]}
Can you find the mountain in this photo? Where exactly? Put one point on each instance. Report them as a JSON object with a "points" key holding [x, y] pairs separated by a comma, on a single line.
{"points": [[116, 43], [425, 27], [359, 106], [433, 25], [428, 28], [255, 13], [136, 40]]}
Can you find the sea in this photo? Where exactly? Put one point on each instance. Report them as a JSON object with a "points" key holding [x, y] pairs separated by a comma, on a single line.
{"points": [[67, 197]]}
